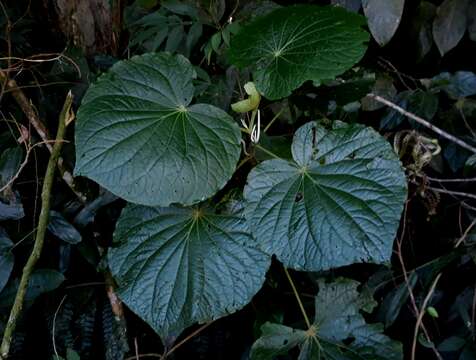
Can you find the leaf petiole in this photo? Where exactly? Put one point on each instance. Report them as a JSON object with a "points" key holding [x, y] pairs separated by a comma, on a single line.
{"points": [[296, 294]]}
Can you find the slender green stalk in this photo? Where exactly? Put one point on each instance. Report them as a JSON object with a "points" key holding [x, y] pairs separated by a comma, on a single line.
{"points": [[16, 310], [296, 294], [270, 153], [273, 120], [243, 162]]}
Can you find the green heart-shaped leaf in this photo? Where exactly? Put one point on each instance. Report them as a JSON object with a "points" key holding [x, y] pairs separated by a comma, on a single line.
{"points": [[138, 136], [338, 203], [177, 266], [297, 43]]}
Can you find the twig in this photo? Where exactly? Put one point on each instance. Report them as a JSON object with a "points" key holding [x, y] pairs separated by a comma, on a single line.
{"points": [[451, 180], [40, 234], [150, 355], [17, 174], [40, 128], [26, 107], [463, 116], [407, 280], [53, 83], [423, 122], [387, 65], [23, 164], [175, 347], [92, 283], [450, 192], [136, 348], [53, 331], [468, 229], [38, 59], [468, 207], [473, 313], [195, 333], [422, 313]]}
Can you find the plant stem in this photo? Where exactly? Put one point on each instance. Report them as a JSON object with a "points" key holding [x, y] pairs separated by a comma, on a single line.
{"points": [[466, 232], [270, 153], [195, 333], [243, 162], [273, 120], [41, 230], [296, 294]]}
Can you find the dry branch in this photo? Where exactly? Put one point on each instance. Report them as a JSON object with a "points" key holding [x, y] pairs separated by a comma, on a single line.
{"points": [[40, 128], [423, 122]]}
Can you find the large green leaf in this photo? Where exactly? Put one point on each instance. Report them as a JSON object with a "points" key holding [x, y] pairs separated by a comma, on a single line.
{"points": [[339, 330], [178, 266], [338, 203], [138, 136], [297, 43]]}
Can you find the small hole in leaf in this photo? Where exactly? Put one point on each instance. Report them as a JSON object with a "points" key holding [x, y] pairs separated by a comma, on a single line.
{"points": [[298, 197], [348, 340], [285, 342]]}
